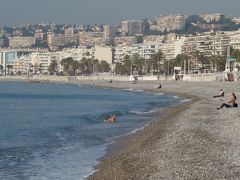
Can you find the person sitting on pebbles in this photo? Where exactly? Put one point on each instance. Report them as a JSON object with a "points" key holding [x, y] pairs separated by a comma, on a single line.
{"points": [[111, 119], [230, 103]]}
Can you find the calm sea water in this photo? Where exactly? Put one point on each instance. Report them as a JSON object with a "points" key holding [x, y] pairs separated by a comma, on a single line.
{"points": [[56, 131]]}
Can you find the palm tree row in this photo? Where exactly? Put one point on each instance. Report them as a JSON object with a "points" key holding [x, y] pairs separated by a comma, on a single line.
{"points": [[86, 66]]}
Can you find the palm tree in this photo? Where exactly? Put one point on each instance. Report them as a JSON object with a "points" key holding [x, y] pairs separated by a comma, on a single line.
{"points": [[9, 67], [53, 67], [156, 60], [75, 66], [103, 66], [67, 63], [1, 69]]}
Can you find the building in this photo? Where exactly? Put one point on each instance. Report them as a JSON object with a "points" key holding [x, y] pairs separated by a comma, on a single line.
{"points": [[126, 40], [109, 33], [212, 17], [235, 39], [58, 41], [236, 20], [122, 50], [169, 23], [153, 39], [21, 42], [104, 53], [208, 44], [132, 27], [91, 39]]}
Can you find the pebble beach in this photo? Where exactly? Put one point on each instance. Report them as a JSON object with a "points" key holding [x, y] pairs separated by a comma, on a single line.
{"points": [[191, 141]]}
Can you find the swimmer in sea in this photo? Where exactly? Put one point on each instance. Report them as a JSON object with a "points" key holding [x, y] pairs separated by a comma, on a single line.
{"points": [[111, 119]]}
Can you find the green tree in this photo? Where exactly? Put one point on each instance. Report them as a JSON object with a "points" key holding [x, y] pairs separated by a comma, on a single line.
{"points": [[75, 66], [1, 69], [156, 61], [137, 63], [103, 66], [53, 67], [67, 64], [9, 69]]}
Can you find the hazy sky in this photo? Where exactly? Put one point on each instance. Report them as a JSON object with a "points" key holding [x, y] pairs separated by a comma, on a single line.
{"points": [[17, 12]]}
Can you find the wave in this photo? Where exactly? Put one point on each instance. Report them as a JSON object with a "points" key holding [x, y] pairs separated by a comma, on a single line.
{"points": [[133, 90], [143, 112], [185, 100]]}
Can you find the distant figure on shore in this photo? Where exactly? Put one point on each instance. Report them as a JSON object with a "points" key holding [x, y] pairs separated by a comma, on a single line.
{"points": [[111, 119], [230, 103], [159, 86], [221, 94]]}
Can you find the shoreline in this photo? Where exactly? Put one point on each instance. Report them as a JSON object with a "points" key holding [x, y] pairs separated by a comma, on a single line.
{"points": [[128, 146], [190, 141]]}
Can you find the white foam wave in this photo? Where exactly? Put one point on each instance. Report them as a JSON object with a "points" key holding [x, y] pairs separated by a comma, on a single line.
{"points": [[144, 112], [185, 100]]}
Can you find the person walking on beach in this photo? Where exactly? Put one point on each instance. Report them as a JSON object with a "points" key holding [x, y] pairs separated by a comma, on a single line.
{"points": [[221, 94], [230, 103]]}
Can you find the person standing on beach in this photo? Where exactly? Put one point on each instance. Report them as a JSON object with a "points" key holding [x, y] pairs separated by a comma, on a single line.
{"points": [[230, 103]]}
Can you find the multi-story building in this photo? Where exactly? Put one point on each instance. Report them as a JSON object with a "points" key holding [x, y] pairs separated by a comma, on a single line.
{"points": [[21, 64], [126, 40], [212, 17], [1, 42], [21, 42], [56, 41], [132, 27], [39, 34], [69, 31], [122, 51], [169, 23], [153, 39], [236, 20], [208, 44], [91, 39], [7, 57], [104, 53], [109, 33]]}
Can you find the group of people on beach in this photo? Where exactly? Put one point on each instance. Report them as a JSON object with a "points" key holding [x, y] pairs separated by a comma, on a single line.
{"points": [[231, 101]]}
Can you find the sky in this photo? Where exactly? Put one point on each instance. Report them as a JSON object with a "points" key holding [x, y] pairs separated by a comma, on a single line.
{"points": [[17, 12]]}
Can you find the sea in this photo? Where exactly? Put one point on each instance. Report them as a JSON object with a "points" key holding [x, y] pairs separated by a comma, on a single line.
{"points": [[57, 131]]}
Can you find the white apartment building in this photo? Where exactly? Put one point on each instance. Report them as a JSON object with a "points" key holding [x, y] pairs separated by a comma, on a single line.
{"points": [[104, 53], [210, 43], [41, 59], [7, 57], [22, 64], [235, 39], [21, 42], [122, 51]]}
